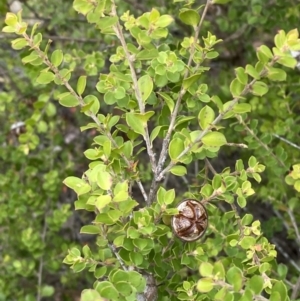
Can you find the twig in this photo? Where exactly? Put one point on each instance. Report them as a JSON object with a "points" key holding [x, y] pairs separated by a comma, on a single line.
{"points": [[114, 250], [279, 215], [166, 141], [241, 145], [289, 259], [241, 121], [119, 32], [286, 141], [236, 34], [296, 289], [81, 102], [210, 166], [293, 220]]}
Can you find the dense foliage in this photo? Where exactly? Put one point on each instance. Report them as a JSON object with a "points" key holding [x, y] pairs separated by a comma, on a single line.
{"points": [[113, 112]]}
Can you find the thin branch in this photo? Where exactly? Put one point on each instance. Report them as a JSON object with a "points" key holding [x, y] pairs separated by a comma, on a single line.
{"points": [[286, 141], [140, 185], [296, 289], [241, 145], [115, 252], [236, 34], [279, 215], [210, 166], [287, 257], [241, 121], [119, 32], [81, 102], [166, 141], [295, 226]]}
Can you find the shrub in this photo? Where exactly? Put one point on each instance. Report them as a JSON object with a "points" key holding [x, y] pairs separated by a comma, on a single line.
{"points": [[157, 119]]}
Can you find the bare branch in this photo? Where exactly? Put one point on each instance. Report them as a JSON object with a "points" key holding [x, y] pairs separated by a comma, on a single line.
{"points": [[295, 226], [241, 145], [287, 141], [115, 252], [287, 257], [296, 289]]}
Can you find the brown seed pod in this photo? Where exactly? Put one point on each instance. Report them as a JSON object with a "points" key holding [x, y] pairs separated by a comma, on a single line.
{"points": [[191, 222]]}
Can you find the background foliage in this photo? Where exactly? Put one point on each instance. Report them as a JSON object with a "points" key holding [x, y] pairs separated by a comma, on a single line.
{"points": [[39, 226]]}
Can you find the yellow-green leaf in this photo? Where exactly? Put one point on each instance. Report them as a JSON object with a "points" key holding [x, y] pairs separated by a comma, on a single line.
{"points": [[206, 117], [189, 17], [145, 85], [214, 139]]}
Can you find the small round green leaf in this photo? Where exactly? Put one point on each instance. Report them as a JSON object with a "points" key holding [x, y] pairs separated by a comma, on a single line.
{"points": [[45, 78], [259, 88], [214, 139], [57, 57], [242, 108], [137, 280], [83, 6], [241, 75], [145, 85], [247, 242], [90, 295], [135, 123], [11, 19], [252, 72], [90, 229], [178, 170], [47, 291], [81, 84], [256, 284], [19, 43], [205, 285], [164, 21], [236, 87], [68, 100], [175, 148], [247, 219], [235, 277], [93, 104], [107, 290], [189, 17], [104, 180], [206, 269], [206, 117], [78, 185], [276, 74], [242, 201]]}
